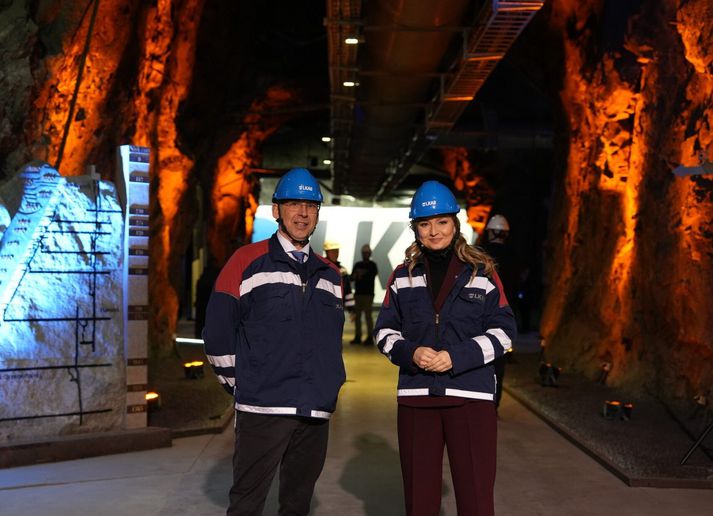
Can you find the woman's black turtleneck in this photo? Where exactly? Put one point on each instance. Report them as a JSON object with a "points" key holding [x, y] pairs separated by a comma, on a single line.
{"points": [[442, 271], [436, 267]]}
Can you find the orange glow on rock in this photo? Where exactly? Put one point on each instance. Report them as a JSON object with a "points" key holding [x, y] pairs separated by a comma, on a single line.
{"points": [[152, 70], [108, 40], [607, 152], [479, 195], [234, 188], [169, 164]]}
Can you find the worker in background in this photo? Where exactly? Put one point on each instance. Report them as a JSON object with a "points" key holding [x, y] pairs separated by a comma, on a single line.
{"points": [[331, 252], [364, 273], [273, 335], [497, 231]]}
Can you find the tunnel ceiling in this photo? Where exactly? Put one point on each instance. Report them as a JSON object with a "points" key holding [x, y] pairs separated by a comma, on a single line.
{"points": [[417, 69], [402, 89]]}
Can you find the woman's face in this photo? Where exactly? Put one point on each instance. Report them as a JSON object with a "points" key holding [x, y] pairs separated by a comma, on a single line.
{"points": [[436, 233]]}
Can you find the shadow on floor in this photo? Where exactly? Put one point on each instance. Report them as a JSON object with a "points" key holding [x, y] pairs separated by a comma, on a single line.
{"points": [[373, 475]]}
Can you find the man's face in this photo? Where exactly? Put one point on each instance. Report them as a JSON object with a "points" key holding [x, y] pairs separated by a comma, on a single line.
{"points": [[299, 217], [365, 255], [332, 255]]}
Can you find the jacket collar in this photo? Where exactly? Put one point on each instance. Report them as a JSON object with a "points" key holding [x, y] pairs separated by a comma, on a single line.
{"points": [[278, 254]]}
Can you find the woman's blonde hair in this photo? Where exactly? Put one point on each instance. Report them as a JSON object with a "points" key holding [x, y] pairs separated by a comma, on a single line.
{"points": [[471, 254]]}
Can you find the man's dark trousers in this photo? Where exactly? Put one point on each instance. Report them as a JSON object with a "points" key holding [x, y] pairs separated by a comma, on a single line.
{"points": [[262, 443]]}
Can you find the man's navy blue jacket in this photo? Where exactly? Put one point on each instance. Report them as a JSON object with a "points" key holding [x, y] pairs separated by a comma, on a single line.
{"points": [[475, 325], [273, 331]]}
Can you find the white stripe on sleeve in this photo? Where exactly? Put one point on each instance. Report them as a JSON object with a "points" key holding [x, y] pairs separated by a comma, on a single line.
{"points": [[502, 337], [226, 379], [221, 360], [335, 290], [486, 347], [391, 336]]}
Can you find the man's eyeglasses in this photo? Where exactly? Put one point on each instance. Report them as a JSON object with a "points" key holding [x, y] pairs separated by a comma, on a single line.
{"points": [[312, 207]]}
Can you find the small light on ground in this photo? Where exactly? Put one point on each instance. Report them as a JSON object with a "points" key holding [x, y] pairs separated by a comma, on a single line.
{"points": [[193, 370], [153, 401], [611, 409], [626, 411]]}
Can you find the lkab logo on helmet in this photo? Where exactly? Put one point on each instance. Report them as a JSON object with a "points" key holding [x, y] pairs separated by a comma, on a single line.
{"points": [[429, 203], [306, 187]]}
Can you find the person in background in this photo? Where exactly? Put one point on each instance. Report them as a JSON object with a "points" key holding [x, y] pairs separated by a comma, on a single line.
{"points": [[497, 231], [364, 273], [273, 335], [443, 321], [331, 252]]}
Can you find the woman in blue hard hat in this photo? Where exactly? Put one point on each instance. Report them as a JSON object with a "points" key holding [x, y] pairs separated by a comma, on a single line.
{"points": [[443, 321]]}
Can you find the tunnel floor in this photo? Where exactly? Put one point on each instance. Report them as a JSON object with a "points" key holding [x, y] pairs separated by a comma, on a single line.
{"points": [[540, 471]]}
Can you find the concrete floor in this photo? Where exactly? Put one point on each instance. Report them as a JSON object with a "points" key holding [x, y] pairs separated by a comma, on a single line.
{"points": [[539, 472]]}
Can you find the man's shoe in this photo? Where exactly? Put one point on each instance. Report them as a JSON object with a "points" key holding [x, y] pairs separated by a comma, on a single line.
{"points": [[355, 340], [369, 341]]}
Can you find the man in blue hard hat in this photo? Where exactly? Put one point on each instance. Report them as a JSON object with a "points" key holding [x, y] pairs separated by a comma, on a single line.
{"points": [[273, 335]]}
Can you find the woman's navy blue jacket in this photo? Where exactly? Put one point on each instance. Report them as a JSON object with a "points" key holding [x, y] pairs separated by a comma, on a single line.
{"points": [[273, 331], [475, 325]]}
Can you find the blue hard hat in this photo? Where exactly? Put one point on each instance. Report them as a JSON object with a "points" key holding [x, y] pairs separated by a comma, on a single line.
{"points": [[431, 199], [299, 185]]}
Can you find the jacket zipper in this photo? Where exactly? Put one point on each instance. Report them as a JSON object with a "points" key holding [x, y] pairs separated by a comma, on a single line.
{"points": [[438, 317], [435, 375]]}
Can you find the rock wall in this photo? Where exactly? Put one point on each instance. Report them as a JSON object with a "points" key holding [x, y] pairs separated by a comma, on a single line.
{"points": [[630, 242]]}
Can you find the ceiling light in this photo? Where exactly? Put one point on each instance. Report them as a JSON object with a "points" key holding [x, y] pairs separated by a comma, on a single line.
{"points": [[327, 161], [349, 84], [326, 139], [351, 40]]}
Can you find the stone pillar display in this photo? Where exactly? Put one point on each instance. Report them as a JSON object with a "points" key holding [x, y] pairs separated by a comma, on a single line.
{"points": [[133, 186]]}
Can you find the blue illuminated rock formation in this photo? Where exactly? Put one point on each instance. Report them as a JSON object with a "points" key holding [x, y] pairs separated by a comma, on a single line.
{"points": [[62, 363]]}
